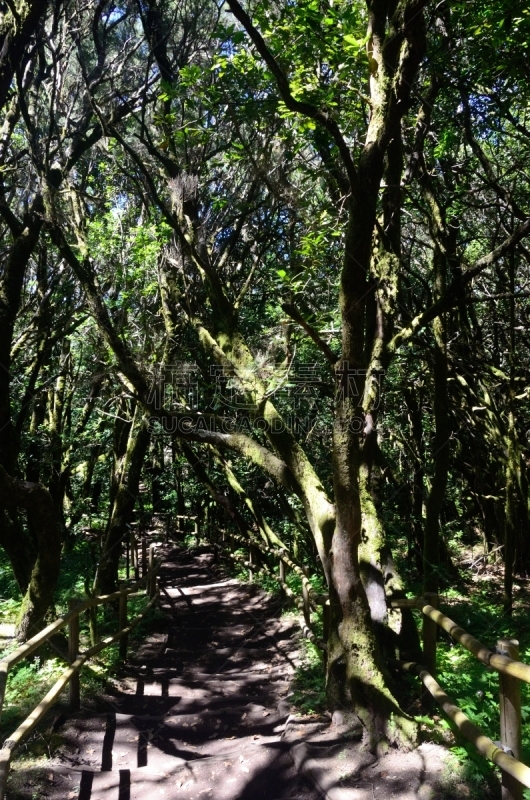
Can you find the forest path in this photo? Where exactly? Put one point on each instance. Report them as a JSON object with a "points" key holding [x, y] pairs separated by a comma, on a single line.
{"points": [[195, 710], [199, 712]]}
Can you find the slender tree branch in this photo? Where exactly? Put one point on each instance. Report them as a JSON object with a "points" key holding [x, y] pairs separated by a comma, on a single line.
{"points": [[457, 287], [324, 118], [293, 312]]}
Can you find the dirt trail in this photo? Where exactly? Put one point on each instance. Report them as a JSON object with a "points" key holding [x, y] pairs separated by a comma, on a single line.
{"points": [[199, 713]]}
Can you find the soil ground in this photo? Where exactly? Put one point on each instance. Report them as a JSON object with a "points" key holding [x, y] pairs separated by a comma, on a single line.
{"points": [[201, 710]]}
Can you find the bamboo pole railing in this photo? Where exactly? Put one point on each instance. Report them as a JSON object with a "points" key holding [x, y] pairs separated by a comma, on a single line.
{"points": [[77, 660], [485, 746], [506, 753]]}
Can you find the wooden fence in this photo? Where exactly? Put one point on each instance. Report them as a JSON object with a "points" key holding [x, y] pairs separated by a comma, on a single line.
{"points": [[70, 676], [135, 542], [507, 752]]}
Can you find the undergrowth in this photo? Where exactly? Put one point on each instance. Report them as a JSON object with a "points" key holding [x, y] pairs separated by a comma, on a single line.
{"points": [[470, 684], [309, 685], [29, 680]]}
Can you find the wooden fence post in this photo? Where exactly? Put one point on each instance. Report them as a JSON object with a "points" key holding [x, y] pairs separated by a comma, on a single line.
{"points": [[197, 529], [510, 711], [74, 691], [144, 558], [134, 556], [152, 578], [430, 634], [123, 623], [307, 612], [251, 561], [282, 572]]}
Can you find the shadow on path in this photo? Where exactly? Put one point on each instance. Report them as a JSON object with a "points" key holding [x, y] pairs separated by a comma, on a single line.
{"points": [[194, 713]]}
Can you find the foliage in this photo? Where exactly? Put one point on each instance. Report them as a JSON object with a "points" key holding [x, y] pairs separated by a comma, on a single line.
{"points": [[26, 686], [309, 695], [213, 234]]}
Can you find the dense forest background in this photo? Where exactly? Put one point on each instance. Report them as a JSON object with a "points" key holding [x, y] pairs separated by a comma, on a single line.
{"points": [[266, 264]]}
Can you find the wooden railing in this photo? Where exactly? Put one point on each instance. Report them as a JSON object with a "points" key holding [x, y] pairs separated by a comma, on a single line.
{"points": [[136, 543], [506, 753], [71, 676]]}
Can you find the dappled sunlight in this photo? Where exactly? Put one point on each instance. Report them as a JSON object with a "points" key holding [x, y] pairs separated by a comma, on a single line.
{"points": [[198, 716]]}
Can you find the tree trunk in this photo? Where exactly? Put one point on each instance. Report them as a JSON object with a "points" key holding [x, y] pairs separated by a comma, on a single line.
{"points": [[431, 547], [37, 502], [19, 547], [125, 497]]}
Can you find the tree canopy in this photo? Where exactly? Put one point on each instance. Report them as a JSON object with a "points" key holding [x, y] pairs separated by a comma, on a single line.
{"points": [[274, 256]]}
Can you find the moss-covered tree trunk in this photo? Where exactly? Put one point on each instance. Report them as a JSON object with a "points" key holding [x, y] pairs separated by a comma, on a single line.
{"points": [[125, 496], [38, 504], [363, 351], [395, 48], [56, 409]]}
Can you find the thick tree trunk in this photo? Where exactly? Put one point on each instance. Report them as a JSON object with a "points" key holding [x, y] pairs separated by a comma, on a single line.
{"points": [[356, 674], [19, 548], [37, 502], [431, 547]]}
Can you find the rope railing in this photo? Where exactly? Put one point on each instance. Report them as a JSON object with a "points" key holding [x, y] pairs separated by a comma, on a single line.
{"points": [[506, 753], [70, 676]]}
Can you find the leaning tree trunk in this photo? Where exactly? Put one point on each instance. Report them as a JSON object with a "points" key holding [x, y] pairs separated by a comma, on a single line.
{"points": [[19, 547], [37, 502], [124, 500]]}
